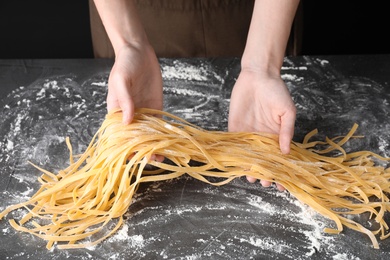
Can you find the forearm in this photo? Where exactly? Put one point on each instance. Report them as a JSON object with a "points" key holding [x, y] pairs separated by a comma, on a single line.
{"points": [[268, 34], [121, 22]]}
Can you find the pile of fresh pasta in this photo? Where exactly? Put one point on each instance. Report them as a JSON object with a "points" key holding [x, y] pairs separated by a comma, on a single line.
{"points": [[97, 188]]}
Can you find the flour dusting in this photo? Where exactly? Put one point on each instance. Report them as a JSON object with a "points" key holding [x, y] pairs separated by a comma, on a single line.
{"points": [[181, 70], [291, 77]]}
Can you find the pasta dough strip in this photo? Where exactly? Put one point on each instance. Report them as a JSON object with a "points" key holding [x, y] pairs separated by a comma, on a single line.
{"points": [[98, 186]]}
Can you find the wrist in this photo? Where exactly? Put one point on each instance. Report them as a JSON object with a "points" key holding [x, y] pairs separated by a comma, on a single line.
{"points": [[119, 43], [266, 64]]}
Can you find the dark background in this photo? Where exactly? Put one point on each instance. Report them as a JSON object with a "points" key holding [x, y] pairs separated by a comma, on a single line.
{"points": [[345, 27], [45, 29], [60, 29]]}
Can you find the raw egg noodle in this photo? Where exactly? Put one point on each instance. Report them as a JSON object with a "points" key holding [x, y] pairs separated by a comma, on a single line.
{"points": [[95, 191]]}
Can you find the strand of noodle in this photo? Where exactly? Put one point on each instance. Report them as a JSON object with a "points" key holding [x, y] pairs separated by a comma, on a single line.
{"points": [[99, 186]]}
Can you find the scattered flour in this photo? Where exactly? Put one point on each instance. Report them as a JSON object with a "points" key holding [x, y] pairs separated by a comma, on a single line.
{"points": [[294, 68], [134, 241], [51, 84], [258, 202], [27, 192], [121, 234], [186, 92], [266, 243], [100, 84], [181, 72], [185, 71], [10, 145], [322, 62], [291, 77], [344, 256], [307, 216], [383, 146]]}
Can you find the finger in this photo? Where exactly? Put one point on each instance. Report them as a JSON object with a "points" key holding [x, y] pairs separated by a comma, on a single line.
{"points": [[124, 100], [286, 131], [157, 158], [265, 183], [127, 107], [125, 104], [251, 179], [280, 187]]}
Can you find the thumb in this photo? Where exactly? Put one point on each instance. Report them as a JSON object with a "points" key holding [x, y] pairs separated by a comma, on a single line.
{"points": [[127, 105], [118, 97], [286, 131]]}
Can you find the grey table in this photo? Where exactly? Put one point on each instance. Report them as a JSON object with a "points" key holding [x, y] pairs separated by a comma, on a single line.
{"points": [[43, 101]]}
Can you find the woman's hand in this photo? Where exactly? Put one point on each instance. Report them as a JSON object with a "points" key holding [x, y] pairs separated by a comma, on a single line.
{"points": [[135, 81], [261, 102]]}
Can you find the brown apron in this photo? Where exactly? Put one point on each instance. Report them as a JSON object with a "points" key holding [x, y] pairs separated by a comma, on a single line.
{"points": [[185, 28]]}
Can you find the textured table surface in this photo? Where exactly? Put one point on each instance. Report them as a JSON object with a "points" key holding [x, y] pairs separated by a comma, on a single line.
{"points": [[43, 101]]}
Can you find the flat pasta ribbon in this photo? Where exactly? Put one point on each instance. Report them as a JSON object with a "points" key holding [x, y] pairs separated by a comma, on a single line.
{"points": [[97, 188]]}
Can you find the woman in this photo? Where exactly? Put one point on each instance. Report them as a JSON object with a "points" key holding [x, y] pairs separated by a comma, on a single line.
{"points": [[138, 30]]}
